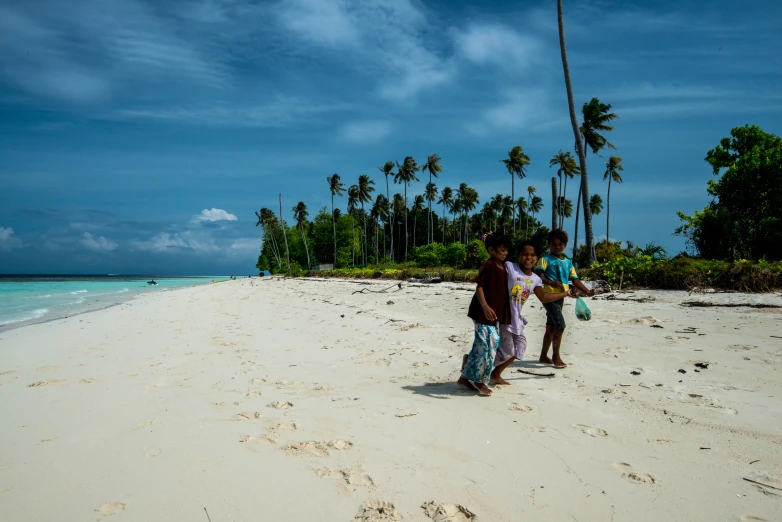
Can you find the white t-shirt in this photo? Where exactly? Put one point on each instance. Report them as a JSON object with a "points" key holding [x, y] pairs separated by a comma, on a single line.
{"points": [[520, 286]]}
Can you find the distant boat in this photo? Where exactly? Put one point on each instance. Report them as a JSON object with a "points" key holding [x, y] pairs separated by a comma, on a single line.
{"points": [[153, 282]]}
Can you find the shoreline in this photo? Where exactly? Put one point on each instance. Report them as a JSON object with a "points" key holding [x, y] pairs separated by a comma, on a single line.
{"points": [[237, 397]]}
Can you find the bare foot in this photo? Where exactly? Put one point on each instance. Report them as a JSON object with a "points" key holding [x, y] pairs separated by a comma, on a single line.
{"points": [[498, 380], [545, 360], [482, 388], [464, 382], [464, 362], [558, 364]]}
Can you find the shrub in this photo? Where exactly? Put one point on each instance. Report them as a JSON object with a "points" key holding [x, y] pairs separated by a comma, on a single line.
{"points": [[454, 255], [476, 254], [428, 255]]}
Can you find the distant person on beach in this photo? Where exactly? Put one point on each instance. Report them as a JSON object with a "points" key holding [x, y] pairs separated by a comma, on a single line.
{"points": [[522, 282], [557, 272], [489, 308]]}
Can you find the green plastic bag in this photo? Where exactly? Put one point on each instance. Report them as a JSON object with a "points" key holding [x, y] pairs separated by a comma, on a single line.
{"points": [[582, 310]]}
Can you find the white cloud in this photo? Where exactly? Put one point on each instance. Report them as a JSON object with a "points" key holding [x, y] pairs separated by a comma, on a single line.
{"points": [[7, 240], [215, 214], [98, 244], [532, 109], [499, 45], [168, 242], [365, 131], [245, 244]]}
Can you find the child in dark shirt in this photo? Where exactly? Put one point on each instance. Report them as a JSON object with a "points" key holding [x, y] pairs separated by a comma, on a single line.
{"points": [[489, 308]]}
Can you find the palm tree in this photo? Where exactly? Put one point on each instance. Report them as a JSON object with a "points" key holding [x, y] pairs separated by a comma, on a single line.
{"points": [[506, 211], [565, 207], [405, 174], [399, 207], [446, 199], [418, 206], [530, 191], [388, 169], [456, 209], [653, 250], [267, 221], [285, 237], [353, 201], [596, 118], [595, 204], [613, 169], [430, 194], [568, 167], [515, 164], [336, 187], [496, 203], [469, 199], [535, 206], [432, 166], [521, 205], [488, 214], [577, 136], [366, 187], [300, 215], [554, 203], [379, 211]]}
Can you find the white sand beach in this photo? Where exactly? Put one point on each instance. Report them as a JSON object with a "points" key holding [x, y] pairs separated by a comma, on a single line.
{"points": [[297, 400]]}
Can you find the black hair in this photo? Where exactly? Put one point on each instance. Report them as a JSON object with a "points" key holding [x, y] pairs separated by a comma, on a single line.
{"points": [[520, 248], [496, 240], [558, 233]]}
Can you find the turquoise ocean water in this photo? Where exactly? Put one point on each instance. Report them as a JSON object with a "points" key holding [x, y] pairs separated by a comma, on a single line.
{"points": [[34, 299]]}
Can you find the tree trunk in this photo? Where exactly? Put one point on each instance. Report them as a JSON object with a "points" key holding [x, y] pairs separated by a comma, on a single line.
{"points": [[306, 249], [578, 211], [526, 226], [364, 219], [513, 194], [353, 240], [391, 229], [555, 203], [334, 227], [415, 224], [407, 236], [608, 209], [577, 135], [564, 196], [285, 236], [444, 224], [377, 242], [430, 224]]}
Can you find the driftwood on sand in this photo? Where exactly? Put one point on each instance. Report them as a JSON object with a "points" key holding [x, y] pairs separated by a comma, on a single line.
{"points": [[729, 305]]}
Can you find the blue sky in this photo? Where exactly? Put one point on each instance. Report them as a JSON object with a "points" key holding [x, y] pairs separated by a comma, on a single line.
{"points": [[140, 136]]}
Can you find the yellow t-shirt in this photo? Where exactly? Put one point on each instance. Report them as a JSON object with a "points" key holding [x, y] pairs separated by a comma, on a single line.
{"points": [[556, 269]]}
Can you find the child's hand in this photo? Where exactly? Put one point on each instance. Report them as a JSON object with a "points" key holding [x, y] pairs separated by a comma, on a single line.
{"points": [[557, 284], [591, 293], [489, 313]]}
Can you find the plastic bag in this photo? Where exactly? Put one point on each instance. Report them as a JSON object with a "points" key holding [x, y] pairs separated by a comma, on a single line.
{"points": [[582, 310]]}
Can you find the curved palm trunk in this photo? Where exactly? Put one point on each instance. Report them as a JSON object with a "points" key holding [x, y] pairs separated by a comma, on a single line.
{"points": [[377, 241], [353, 240], [407, 236], [306, 249], [285, 236], [429, 223], [444, 224], [526, 226], [513, 194], [273, 246], [415, 224], [364, 219], [608, 210], [564, 195], [576, 134], [391, 229], [555, 203], [578, 211]]}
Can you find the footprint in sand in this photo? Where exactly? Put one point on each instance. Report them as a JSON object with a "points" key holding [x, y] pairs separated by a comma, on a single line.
{"points": [[280, 405], [352, 477], [144, 424], [242, 416], [447, 512], [377, 511], [514, 406], [87, 381], [750, 518], [252, 394], [110, 508], [45, 383], [420, 364], [317, 448], [706, 402], [8, 372], [590, 430], [633, 476], [151, 454]]}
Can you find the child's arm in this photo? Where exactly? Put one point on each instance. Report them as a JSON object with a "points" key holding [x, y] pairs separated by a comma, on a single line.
{"points": [[487, 311], [578, 284], [549, 282], [546, 297]]}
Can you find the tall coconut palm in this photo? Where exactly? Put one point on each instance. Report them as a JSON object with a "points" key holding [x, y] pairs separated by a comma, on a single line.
{"points": [[285, 237], [446, 199], [336, 187], [530, 191], [567, 167], [515, 164], [613, 173], [379, 211], [506, 212], [366, 187], [398, 206], [300, 215], [267, 221], [488, 214], [405, 174], [496, 203], [555, 210], [432, 166], [576, 135], [535, 206], [430, 194], [418, 206], [521, 206], [388, 170], [353, 201], [565, 207], [456, 210], [596, 204], [469, 199]]}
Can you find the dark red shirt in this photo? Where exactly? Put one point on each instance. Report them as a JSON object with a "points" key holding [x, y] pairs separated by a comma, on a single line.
{"points": [[494, 281]]}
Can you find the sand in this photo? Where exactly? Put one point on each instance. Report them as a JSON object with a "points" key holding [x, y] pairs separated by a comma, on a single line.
{"points": [[297, 400]]}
